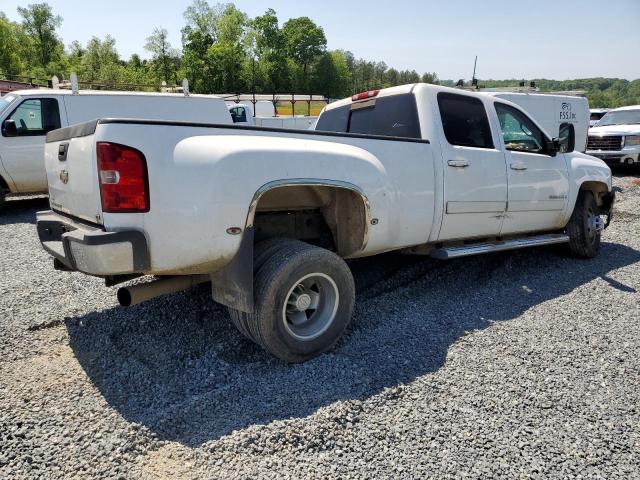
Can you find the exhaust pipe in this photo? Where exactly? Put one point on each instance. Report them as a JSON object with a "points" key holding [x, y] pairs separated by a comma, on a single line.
{"points": [[136, 294]]}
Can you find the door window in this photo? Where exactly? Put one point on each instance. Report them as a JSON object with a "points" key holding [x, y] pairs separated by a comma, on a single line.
{"points": [[464, 120], [239, 114], [36, 116], [519, 132]]}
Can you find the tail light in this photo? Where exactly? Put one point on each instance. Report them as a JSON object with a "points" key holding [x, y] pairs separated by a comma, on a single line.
{"points": [[124, 184], [365, 95]]}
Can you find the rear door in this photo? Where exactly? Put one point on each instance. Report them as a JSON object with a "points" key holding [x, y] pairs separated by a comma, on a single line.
{"points": [[538, 183], [23, 154], [475, 179]]}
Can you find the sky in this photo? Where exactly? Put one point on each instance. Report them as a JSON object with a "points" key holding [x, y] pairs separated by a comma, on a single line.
{"points": [[555, 39]]}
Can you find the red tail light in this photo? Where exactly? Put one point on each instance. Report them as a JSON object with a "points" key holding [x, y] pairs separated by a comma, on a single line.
{"points": [[365, 95], [124, 184]]}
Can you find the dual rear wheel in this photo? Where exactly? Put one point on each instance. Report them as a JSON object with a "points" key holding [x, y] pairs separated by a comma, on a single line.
{"points": [[304, 298]]}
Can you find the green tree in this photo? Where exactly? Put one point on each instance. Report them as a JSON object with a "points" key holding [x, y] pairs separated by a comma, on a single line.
{"points": [[11, 38], [305, 42], [272, 68], [165, 57], [40, 23]]}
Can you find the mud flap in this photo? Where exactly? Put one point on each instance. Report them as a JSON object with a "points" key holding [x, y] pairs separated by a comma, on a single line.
{"points": [[233, 285], [607, 206]]}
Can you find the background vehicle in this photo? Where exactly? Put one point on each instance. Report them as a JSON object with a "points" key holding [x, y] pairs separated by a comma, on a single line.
{"points": [[242, 114], [616, 138], [268, 215], [557, 114], [27, 115], [595, 114]]}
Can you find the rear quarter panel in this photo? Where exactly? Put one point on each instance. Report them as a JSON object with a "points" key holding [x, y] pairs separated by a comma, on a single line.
{"points": [[202, 182]]}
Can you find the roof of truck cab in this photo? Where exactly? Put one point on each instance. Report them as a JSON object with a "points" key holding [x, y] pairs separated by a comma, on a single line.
{"points": [[82, 93], [629, 107], [553, 96], [409, 88]]}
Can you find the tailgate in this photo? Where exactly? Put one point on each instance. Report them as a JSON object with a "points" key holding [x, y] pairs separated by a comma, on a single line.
{"points": [[72, 173]]}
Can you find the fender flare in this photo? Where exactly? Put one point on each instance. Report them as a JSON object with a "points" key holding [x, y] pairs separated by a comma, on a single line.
{"points": [[311, 182]]}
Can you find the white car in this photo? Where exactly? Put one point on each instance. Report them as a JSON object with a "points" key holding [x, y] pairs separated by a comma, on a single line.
{"points": [[616, 138], [27, 115], [269, 215]]}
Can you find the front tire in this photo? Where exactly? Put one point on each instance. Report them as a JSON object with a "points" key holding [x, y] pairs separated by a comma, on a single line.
{"points": [[304, 298], [585, 227], [3, 198]]}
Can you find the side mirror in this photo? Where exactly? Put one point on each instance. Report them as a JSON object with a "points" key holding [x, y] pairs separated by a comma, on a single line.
{"points": [[553, 146], [9, 128]]}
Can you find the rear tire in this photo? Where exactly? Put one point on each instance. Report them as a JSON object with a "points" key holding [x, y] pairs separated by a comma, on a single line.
{"points": [[585, 226], [304, 298], [261, 252], [3, 198]]}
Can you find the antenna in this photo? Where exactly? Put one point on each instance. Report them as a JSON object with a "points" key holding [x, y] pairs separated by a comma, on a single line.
{"points": [[474, 80]]}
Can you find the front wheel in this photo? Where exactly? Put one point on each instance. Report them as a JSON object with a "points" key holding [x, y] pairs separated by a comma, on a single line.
{"points": [[304, 298], [585, 226], [3, 198]]}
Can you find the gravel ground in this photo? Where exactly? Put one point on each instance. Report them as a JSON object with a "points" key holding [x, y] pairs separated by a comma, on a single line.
{"points": [[513, 365]]}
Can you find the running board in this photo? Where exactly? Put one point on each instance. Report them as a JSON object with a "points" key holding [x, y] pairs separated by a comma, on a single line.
{"points": [[477, 248]]}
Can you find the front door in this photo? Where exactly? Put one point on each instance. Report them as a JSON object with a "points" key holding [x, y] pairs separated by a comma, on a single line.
{"points": [[538, 183], [23, 154], [475, 179]]}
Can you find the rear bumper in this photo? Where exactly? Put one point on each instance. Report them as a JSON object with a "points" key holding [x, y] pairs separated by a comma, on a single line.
{"points": [[89, 249]]}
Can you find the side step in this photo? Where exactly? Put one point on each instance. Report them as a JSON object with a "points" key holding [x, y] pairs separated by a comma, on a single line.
{"points": [[477, 248]]}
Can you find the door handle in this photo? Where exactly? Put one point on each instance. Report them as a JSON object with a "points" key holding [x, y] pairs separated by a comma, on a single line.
{"points": [[458, 163], [518, 166]]}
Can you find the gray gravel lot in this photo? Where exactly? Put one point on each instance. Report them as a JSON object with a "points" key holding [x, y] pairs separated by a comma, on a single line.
{"points": [[513, 365]]}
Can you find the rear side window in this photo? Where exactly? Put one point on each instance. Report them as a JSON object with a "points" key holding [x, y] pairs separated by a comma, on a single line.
{"points": [[464, 120], [36, 116], [394, 116], [334, 120]]}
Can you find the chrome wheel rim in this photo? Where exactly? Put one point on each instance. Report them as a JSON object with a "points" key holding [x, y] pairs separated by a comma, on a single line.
{"points": [[310, 306], [595, 225]]}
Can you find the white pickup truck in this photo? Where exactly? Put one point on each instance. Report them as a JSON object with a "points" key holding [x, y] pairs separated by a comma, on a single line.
{"points": [[616, 137], [268, 215]]}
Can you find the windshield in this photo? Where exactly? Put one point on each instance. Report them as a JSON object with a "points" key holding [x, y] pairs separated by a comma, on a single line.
{"points": [[621, 117], [5, 102]]}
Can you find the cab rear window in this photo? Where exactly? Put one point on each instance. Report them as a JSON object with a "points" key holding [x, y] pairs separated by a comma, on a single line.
{"points": [[394, 116]]}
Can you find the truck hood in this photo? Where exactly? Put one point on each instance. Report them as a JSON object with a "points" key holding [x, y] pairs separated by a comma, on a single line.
{"points": [[615, 130]]}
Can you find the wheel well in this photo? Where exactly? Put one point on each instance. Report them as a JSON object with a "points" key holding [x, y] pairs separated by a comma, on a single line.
{"points": [[598, 189], [330, 216]]}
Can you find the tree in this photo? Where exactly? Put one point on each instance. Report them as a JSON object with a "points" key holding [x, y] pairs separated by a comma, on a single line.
{"points": [[430, 78], [331, 76], [163, 54], [304, 42], [11, 62], [269, 49], [40, 23]]}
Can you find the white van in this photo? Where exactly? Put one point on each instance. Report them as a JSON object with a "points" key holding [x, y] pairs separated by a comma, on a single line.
{"points": [[559, 115], [242, 114], [27, 115]]}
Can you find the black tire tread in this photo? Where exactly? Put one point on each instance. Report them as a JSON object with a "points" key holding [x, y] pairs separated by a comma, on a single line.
{"points": [[578, 242]]}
